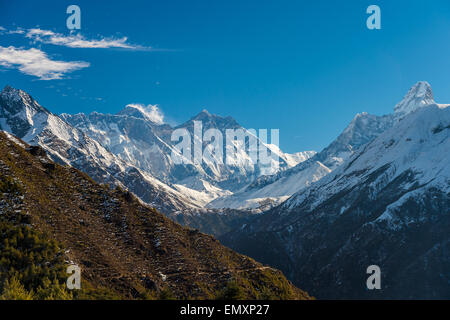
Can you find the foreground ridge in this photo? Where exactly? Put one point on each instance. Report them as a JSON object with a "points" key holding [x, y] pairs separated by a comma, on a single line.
{"points": [[120, 244]]}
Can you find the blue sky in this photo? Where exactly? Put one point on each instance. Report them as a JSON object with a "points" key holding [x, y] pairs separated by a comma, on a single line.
{"points": [[305, 67]]}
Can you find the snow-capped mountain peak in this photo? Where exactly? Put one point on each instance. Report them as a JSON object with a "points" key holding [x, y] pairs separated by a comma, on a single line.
{"points": [[12, 96], [210, 120], [11, 93], [150, 112], [418, 96]]}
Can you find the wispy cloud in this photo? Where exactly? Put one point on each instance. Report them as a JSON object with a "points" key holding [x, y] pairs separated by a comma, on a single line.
{"points": [[17, 31], [79, 41], [37, 63], [6, 31], [151, 112]]}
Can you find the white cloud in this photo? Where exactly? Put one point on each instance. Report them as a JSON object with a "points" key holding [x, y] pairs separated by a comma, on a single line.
{"points": [[17, 31], [79, 41], [151, 112], [37, 63]]}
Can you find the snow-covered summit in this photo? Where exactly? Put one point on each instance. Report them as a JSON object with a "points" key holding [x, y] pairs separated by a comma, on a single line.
{"points": [[210, 120], [418, 96], [12, 97], [150, 112], [11, 93]]}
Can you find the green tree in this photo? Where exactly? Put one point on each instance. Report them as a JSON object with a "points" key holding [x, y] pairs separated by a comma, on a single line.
{"points": [[14, 290], [53, 290]]}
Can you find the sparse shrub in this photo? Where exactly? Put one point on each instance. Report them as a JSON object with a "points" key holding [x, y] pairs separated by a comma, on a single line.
{"points": [[267, 294], [166, 294], [88, 292], [232, 292], [8, 185]]}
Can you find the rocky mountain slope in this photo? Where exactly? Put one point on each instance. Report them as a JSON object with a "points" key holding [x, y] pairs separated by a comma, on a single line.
{"points": [[23, 117], [119, 243], [388, 204]]}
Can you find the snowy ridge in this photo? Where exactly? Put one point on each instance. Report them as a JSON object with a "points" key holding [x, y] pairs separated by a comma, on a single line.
{"points": [[13, 139], [419, 143], [23, 117], [268, 191], [150, 112], [274, 193], [147, 145]]}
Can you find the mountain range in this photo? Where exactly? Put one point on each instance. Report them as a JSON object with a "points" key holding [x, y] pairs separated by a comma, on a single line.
{"points": [[135, 138], [377, 194], [133, 149]]}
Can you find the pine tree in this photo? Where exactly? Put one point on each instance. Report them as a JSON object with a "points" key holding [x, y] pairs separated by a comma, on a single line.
{"points": [[14, 290]]}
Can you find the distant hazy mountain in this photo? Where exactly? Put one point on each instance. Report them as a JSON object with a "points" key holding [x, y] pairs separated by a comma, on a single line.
{"points": [[386, 204]]}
